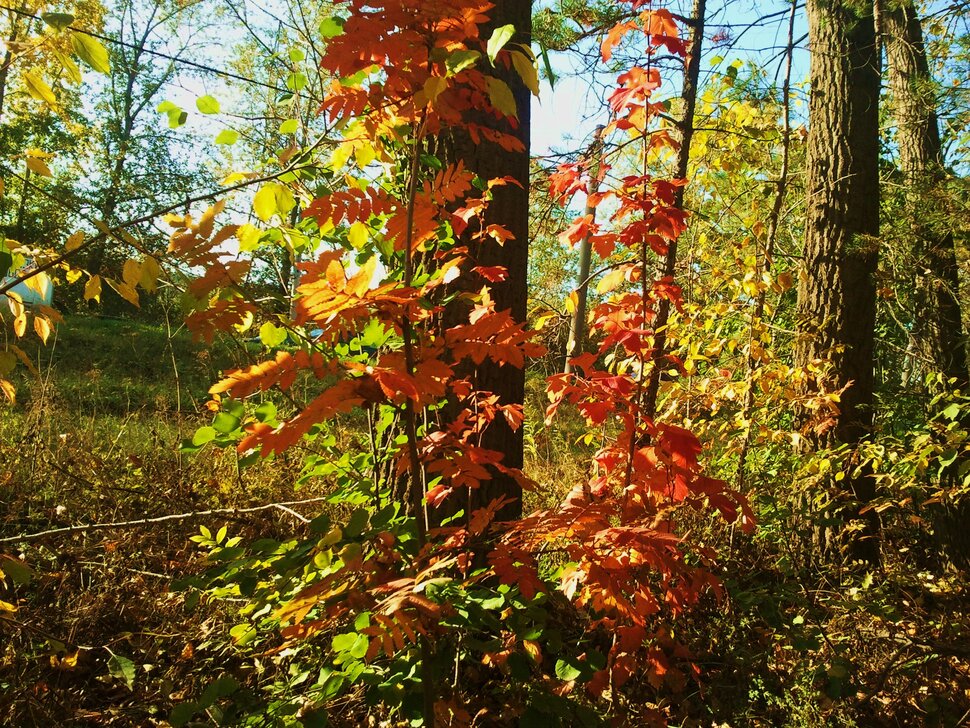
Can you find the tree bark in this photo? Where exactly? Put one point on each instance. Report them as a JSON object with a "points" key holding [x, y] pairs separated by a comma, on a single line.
{"points": [[837, 291], [577, 326], [509, 208], [937, 321], [689, 96], [938, 333]]}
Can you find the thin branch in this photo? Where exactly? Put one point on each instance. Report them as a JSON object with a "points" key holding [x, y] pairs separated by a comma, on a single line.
{"points": [[174, 517]]}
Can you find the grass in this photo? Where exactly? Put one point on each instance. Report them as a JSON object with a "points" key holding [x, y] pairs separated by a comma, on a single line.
{"points": [[114, 366]]}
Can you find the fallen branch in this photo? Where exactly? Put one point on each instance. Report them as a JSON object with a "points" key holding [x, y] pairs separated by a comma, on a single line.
{"points": [[83, 528]]}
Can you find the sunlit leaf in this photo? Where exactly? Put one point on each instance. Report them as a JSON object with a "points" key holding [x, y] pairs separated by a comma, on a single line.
{"points": [[90, 50], [38, 166], [227, 137], [92, 289], [207, 104], [500, 37], [37, 87]]}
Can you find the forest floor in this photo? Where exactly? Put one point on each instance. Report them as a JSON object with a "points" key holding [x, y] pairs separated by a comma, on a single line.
{"points": [[101, 637]]}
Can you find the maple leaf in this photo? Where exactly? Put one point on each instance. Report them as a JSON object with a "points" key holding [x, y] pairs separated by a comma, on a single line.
{"points": [[580, 228], [613, 38]]}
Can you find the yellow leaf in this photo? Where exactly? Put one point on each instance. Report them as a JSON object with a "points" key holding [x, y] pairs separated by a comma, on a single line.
{"points": [[74, 241], [235, 178], [526, 69], [16, 303], [434, 86], [126, 292], [7, 606], [611, 280], [341, 154], [150, 271], [246, 323], [39, 283], [71, 69], [92, 289], [365, 154], [20, 325], [358, 235], [24, 359], [8, 391], [131, 273], [38, 89], [248, 237], [38, 166], [42, 327], [572, 301], [500, 95], [541, 322], [271, 199], [90, 50]]}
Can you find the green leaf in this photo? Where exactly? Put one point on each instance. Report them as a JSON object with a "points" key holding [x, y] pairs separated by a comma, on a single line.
{"points": [[123, 669], [225, 423], [356, 524], [296, 81], [58, 21], [266, 412], [177, 119], [18, 571], [166, 106], [550, 74], [289, 126], [566, 672], [71, 69], [460, 60], [500, 37], [203, 435], [952, 412], [227, 137], [331, 27], [182, 714], [90, 50], [271, 336], [243, 634], [296, 55], [207, 105]]}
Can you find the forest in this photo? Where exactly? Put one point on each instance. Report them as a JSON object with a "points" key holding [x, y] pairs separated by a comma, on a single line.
{"points": [[484, 363]]}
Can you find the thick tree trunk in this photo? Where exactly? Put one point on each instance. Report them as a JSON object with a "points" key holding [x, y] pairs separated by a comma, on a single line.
{"points": [[836, 291], [938, 325], [509, 208]]}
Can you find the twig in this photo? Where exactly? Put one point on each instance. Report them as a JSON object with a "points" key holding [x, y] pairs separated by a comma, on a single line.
{"points": [[85, 527]]}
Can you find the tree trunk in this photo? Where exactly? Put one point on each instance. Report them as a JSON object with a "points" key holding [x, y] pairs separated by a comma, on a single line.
{"points": [[577, 326], [937, 321], [938, 332], [509, 208], [689, 96], [836, 291]]}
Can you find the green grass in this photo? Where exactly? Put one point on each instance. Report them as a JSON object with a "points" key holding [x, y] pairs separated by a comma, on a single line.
{"points": [[94, 365]]}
